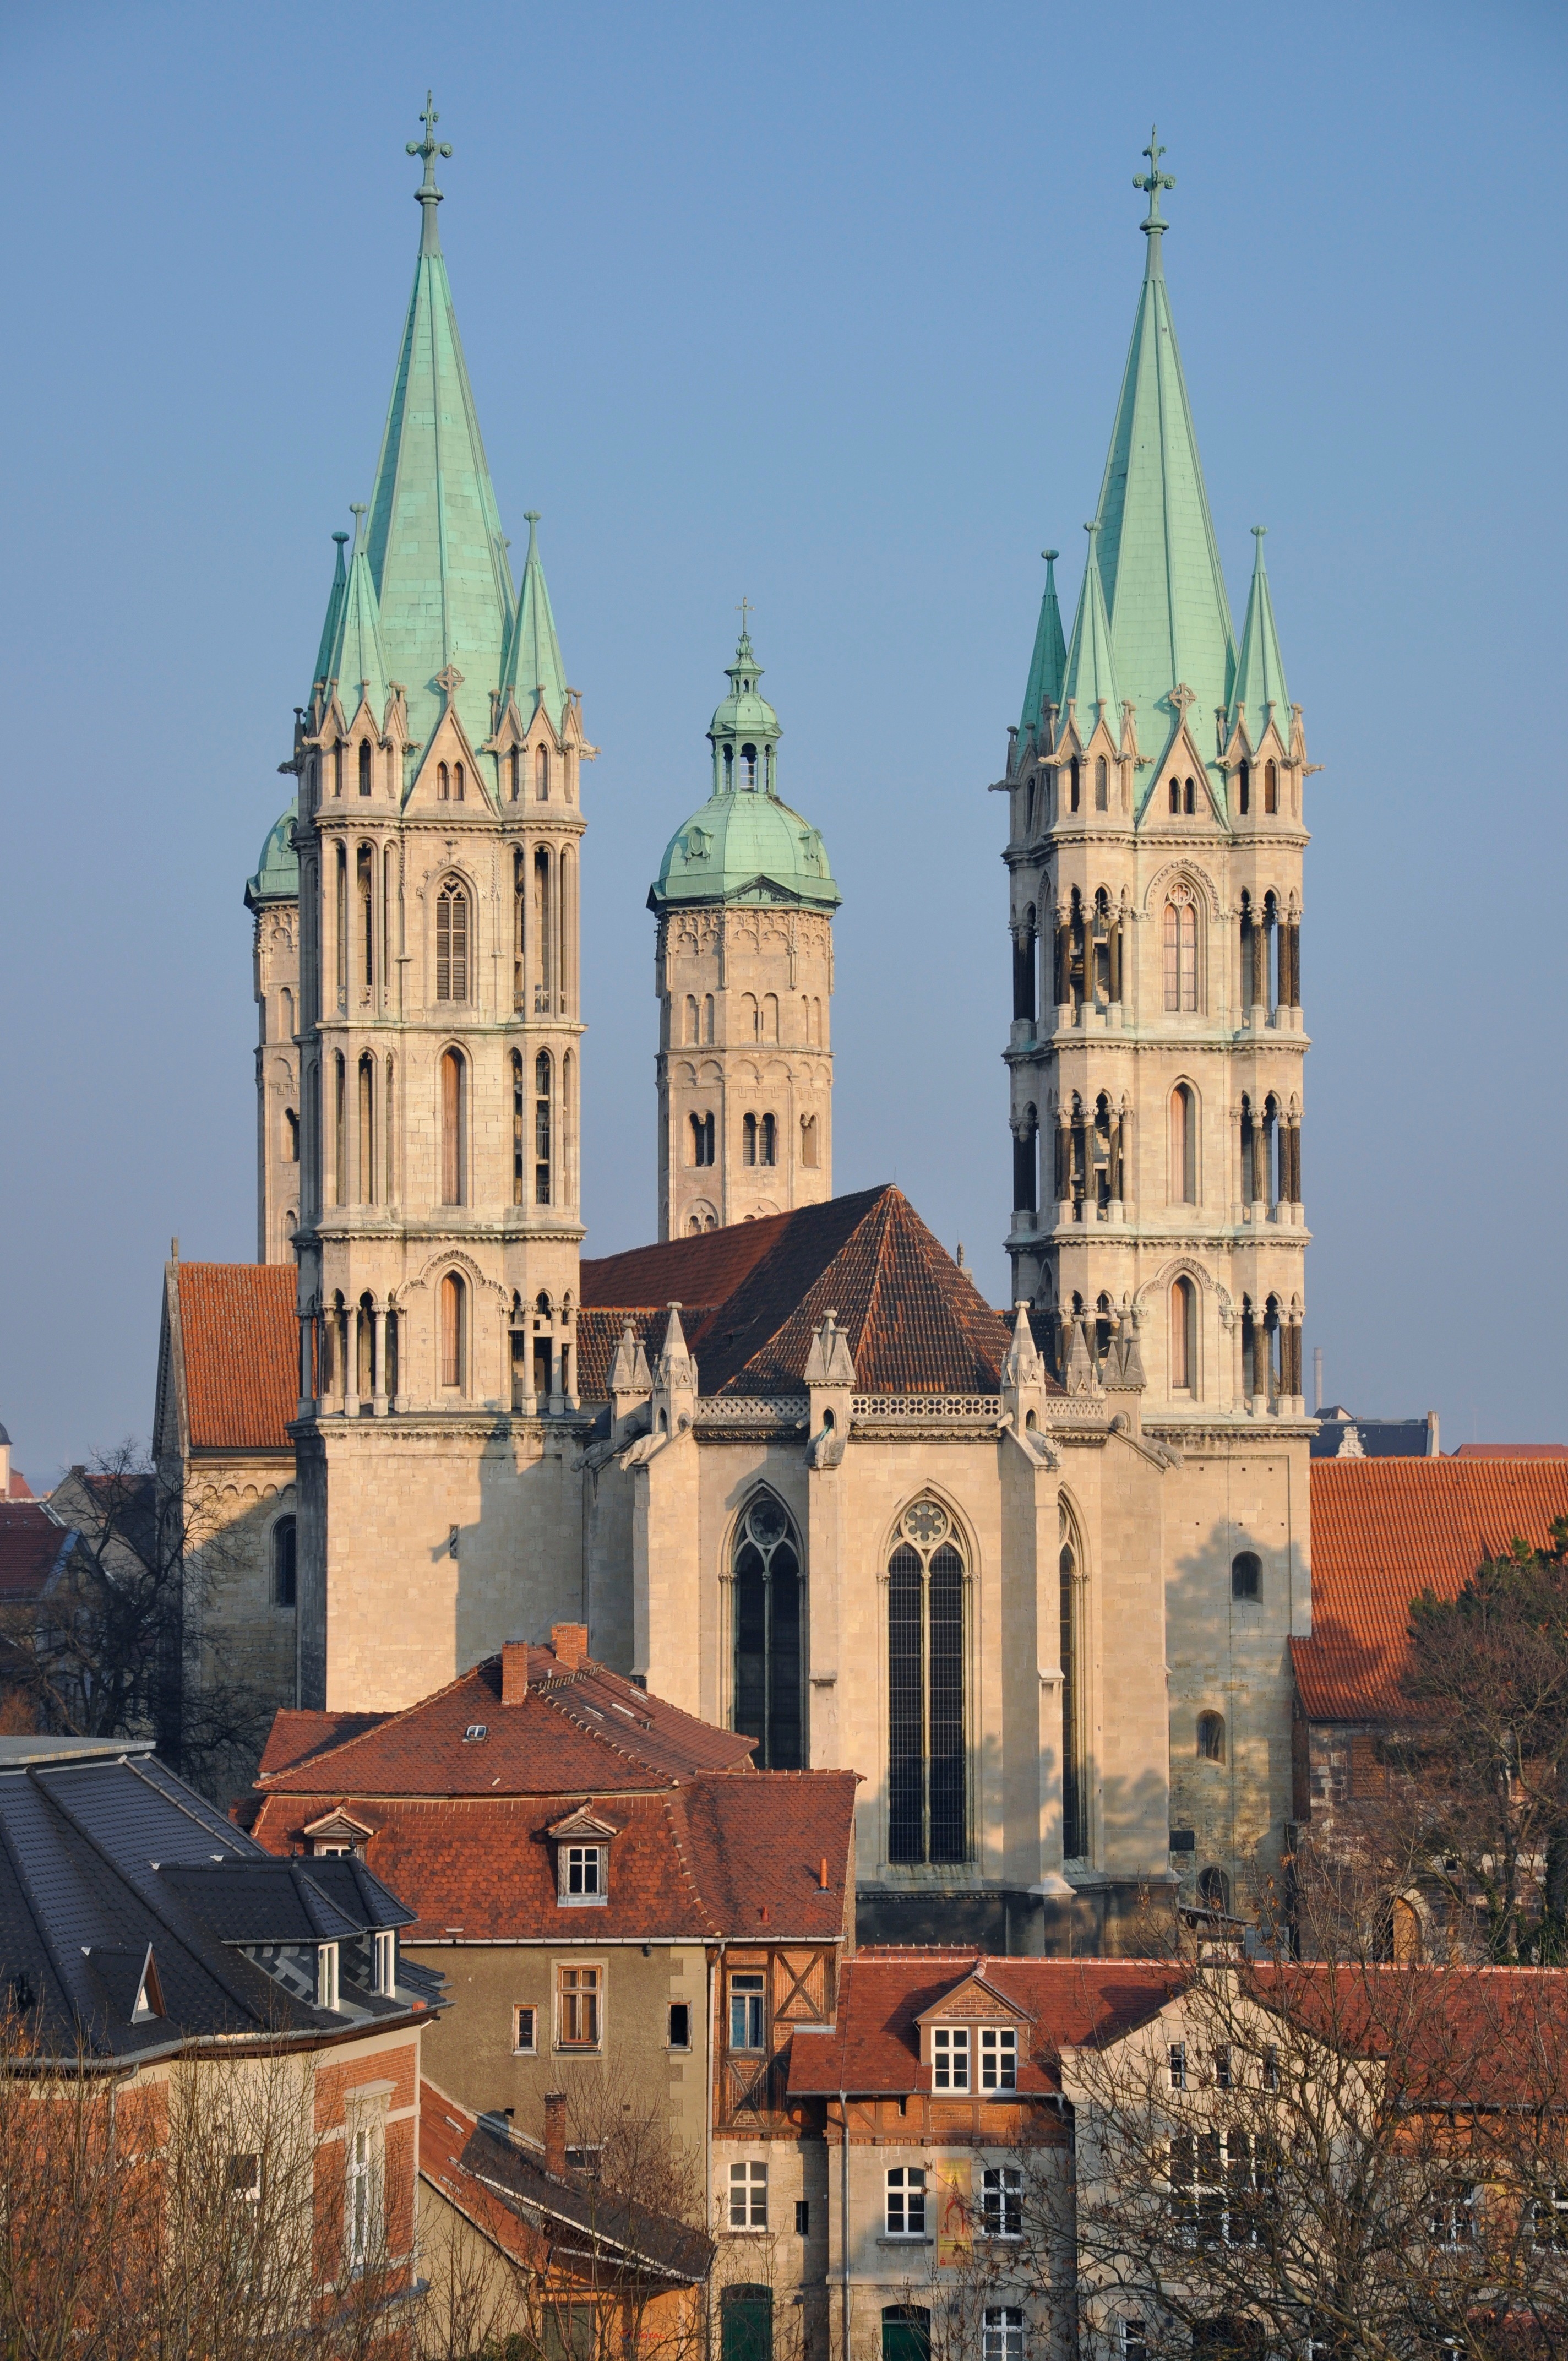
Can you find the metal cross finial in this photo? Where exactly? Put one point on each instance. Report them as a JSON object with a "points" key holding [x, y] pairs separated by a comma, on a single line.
{"points": [[743, 610], [1154, 180], [428, 147]]}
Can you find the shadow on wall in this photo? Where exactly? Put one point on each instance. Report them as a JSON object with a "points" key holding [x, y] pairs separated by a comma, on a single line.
{"points": [[519, 1564]]}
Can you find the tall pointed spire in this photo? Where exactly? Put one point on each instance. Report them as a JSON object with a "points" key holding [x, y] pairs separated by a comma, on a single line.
{"points": [[357, 662], [333, 610], [533, 670], [1089, 678], [1049, 662], [436, 552], [1260, 673], [1170, 619]]}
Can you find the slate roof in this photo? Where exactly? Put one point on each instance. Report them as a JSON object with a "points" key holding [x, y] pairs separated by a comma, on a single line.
{"points": [[875, 2043], [34, 1550], [240, 1339], [104, 1857], [586, 1729], [1383, 1531], [752, 1294], [501, 2184]]}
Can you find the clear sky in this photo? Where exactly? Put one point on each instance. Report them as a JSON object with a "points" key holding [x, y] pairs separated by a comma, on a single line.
{"points": [[825, 306]]}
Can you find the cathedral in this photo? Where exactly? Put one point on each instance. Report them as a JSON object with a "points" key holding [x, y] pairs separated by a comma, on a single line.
{"points": [[1031, 1573]]}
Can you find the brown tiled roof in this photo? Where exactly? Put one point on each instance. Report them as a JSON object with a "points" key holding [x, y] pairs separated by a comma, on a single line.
{"points": [[20, 1489], [588, 1729], [914, 1321], [297, 1734], [875, 2045], [1512, 1451], [32, 1548], [242, 1354], [730, 1854], [1488, 2037], [1383, 1531]]}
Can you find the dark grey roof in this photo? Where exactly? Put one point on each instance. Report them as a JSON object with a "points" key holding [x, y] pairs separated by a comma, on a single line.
{"points": [[108, 1858], [608, 2227]]}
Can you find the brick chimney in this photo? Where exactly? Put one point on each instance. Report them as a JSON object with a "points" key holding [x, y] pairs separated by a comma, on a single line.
{"points": [[555, 2132], [514, 1672], [570, 1642]]}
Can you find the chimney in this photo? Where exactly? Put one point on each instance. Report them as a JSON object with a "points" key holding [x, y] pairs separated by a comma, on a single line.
{"points": [[570, 1642], [555, 2132], [514, 1672]]}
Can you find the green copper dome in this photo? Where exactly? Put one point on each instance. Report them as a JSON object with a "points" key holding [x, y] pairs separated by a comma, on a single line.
{"points": [[745, 845], [277, 877]]}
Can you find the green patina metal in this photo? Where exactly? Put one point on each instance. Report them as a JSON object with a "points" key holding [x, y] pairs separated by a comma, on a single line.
{"points": [[1260, 672], [1088, 677], [1049, 663], [437, 555], [277, 877], [333, 609], [357, 659], [1158, 566], [745, 845], [533, 670]]}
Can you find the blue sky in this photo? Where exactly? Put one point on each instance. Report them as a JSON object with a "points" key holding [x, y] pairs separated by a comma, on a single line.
{"points": [[826, 307]]}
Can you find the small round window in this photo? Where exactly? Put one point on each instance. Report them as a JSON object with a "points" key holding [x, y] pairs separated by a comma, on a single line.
{"points": [[925, 1524]]}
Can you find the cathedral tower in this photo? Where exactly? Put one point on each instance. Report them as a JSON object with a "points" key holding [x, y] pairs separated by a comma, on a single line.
{"points": [[1155, 785], [744, 974], [438, 837]]}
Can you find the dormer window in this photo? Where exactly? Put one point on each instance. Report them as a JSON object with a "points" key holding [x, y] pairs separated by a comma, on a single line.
{"points": [[950, 2058], [386, 1963], [583, 1873], [326, 1975], [998, 2057]]}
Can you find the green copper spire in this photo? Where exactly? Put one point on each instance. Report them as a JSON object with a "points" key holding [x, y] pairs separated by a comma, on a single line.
{"points": [[1260, 674], [1089, 680], [436, 553], [1049, 662], [533, 670], [1170, 620], [357, 661], [333, 609]]}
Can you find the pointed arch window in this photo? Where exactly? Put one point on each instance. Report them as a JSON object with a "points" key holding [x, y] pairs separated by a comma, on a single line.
{"points": [[1073, 789], [458, 783], [543, 933], [768, 1667], [928, 1780], [515, 762], [1189, 797], [542, 773], [1074, 1798], [1244, 789], [443, 784], [518, 1121], [1181, 949], [1183, 1146], [453, 1127], [1271, 787], [451, 941], [1183, 1337], [543, 1079], [1101, 784], [365, 766], [454, 1332], [340, 1129], [367, 1129], [1176, 795], [365, 880]]}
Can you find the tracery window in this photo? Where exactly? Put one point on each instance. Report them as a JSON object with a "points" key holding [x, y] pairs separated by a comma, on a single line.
{"points": [[452, 942], [767, 1634], [1181, 948], [928, 1756]]}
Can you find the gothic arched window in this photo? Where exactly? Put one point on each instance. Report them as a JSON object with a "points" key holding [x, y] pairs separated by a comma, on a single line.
{"points": [[542, 774], [1189, 797], [1183, 1190], [1074, 1801], [1181, 949], [452, 942], [1073, 784], [443, 784], [1214, 1890], [1183, 1337], [518, 1140], [1211, 1737], [542, 1144], [365, 766], [454, 1331], [1101, 784], [1244, 789], [928, 1784], [453, 1127], [458, 783], [367, 1129], [767, 1635], [1271, 787]]}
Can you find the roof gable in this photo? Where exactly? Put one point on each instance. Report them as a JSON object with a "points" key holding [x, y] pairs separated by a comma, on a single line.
{"points": [[975, 2001], [239, 1338]]}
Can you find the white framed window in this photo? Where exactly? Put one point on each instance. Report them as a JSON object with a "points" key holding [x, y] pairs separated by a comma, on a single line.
{"points": [[748, 2196], [582, 1874], [1005, 2324], [579, 2004], [1549, 2219], [242, 2179], [1002, 2201], [1178, 2065], [525, 2031], [746, 2012], [385, 1942], [998, 2057], [1452, 2215], [906, 2201], [326, 1975], [950, 2058], [1219, 2184], [1132, 2339], [362, 2194]]}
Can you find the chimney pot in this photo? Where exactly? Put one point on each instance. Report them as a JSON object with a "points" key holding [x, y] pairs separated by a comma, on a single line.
{"points": [[570, 1642], [555, 2132], [514, 1672]]}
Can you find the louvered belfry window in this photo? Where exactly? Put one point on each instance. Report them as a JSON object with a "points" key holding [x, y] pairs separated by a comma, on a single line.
{"points": [[928, 1764], [452, 942]]}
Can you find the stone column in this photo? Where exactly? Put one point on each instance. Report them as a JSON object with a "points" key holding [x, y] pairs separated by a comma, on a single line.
{"points": [[378, 1361], [307, 1370]]}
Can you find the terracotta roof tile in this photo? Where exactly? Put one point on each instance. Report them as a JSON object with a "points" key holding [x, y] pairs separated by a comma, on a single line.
{"points": [[584, 1729], [297, 1734], [240, 1334], [32, 1548], [705, 1861], [916, 1323], [1383, 1531]]}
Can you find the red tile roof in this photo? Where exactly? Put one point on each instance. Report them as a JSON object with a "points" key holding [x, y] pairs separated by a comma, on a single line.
{"points": [[20, 1489], [730, 1854], [1383, 1531], [1512, 1451], [752, 1296], [875, 2045], [32, 1548], [584, 1730], [240, 1334], [1490, 2036]]}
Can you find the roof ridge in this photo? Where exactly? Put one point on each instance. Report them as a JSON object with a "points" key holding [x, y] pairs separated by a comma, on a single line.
{"points": [[379, 1728]]}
